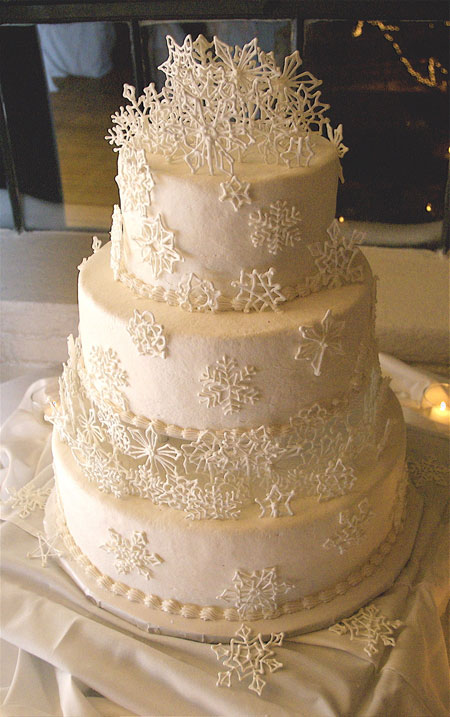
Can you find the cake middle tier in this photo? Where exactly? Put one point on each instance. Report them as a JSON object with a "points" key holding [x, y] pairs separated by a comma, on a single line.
{"points": [[223, 370]]}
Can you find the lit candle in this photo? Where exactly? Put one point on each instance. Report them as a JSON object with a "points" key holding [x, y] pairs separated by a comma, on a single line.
{"points": [[436, 403]]}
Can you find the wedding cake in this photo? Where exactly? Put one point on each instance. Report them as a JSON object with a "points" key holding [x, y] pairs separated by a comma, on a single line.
{"points": [[225, 448]]}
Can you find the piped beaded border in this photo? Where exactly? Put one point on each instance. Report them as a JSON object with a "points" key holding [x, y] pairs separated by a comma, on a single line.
{"points": [[213, 613]]}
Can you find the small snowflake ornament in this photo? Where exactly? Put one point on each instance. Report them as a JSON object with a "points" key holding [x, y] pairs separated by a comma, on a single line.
{"points": [[235, 191], [134, 180], [257, 592], [116, 241], [131, 553], [146, 334], [336, 137], [196, 294], [257, 292], [336, 480], [107, 376], [46, 549], [157, 245], [319, 339], [248, 656], [228, 386], [370, 626], [337, 259], [353, 528], [96, 245], [276, 503], [144, 447], [276, 227]]}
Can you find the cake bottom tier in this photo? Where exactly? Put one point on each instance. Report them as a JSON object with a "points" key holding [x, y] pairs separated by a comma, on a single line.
{"points": [[203, 578]]}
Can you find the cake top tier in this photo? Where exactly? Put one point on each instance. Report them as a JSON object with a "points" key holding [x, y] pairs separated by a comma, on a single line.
{"points": [[219, 102]]}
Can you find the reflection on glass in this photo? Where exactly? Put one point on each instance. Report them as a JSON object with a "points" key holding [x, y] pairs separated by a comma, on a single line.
{"points": [[387, 84], [85, 66]]}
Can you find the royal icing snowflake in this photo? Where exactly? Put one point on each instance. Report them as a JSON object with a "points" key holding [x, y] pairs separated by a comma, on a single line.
{"points": [[256, 592], [228, 386], [336, 137], [157, 245], [131, 553], [134, 180], [257, 291], [276, 227], [338, 258], [276, 503], [107, 376], [46, 549], [96, 245], [146, 334], [235, 191], [196, 294], [248, 656], [319, 339], [370, 626], [144, 447], [354, 526], [28, 499], [336, 480]]}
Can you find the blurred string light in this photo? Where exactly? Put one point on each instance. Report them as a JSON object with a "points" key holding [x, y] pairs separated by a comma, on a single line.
{"points": [[435, 68]]}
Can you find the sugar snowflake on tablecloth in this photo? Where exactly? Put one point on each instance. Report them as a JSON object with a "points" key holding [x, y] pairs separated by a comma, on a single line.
{"points": [[354, 526], [106, 376], [157, 245], [276, 227], [337, 258], [318, 339], [196, 294], [276, 503], [248, 656], [257, 592], [146, 334], [336, 480], [235, 191], [27, 499], [46, 549], [134, 180], [228, 386], [131, 553], [369, 626], [257, 291], [116, 241]]}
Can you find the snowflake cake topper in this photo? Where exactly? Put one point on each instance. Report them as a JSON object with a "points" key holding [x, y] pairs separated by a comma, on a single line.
{"points": [[218, 102]]}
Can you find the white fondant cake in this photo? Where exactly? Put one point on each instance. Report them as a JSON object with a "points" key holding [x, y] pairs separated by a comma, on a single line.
{"points": [[225, 448]]}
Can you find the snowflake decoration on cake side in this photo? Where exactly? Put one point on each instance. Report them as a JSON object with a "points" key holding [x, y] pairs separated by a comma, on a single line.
{"points": [[353, 529], [196, 294], [228, 386], [96, 244], [27, 499], [248, 656], [318, 339], [336, 137], [256, 593], [106, 376], [336, 480], [370, 626], [134, 181], [46, 549], [157, 246], [146, 334], [116, 241], [257, 292], [235, 191], [276, 227], [144, 447], [276, 503], [131, 554], [338, 258]]}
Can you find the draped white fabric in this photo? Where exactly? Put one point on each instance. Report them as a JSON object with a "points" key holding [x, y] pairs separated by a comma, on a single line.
{"points": [[63, 655]]}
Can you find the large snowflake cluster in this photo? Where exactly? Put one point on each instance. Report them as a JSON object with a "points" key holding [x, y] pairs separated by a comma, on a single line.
{"points": [[218, 102]]}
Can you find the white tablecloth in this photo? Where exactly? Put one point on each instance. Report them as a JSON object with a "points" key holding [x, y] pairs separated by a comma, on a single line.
{"points": [[63, 655]]}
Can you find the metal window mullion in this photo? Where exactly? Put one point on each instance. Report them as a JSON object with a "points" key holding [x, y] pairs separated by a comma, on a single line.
{"points": [[136, 56], [10, 168]]}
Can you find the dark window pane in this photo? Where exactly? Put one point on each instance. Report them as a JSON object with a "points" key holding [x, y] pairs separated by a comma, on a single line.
{"points": [[392, 100]]}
